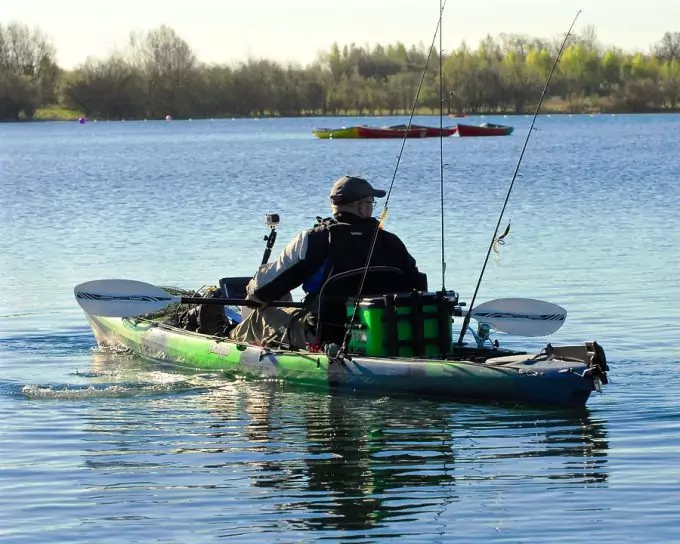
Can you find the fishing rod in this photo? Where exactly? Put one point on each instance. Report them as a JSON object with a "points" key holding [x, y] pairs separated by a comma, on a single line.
{"points": [[468, 315], [383, 214], [441, 148]]}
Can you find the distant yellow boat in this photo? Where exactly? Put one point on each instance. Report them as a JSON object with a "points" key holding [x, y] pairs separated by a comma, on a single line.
{"points": [[332, 133]]}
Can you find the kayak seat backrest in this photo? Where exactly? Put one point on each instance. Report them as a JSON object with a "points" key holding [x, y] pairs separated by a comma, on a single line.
{"points": [[331, 311], [234, 287]]}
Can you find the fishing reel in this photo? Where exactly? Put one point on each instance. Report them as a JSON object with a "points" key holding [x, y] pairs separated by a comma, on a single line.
{"points": [[455, 305], [483, 335]]}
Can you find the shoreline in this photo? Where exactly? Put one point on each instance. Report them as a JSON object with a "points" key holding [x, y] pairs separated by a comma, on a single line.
{"points": [[551, 106]]}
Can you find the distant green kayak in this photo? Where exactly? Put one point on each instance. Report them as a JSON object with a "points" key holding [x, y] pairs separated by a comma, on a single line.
{"points": [[336, 133]]}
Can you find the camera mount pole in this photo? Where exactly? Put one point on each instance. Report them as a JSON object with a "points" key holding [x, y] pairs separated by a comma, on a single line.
{"points": [[272, 221]]}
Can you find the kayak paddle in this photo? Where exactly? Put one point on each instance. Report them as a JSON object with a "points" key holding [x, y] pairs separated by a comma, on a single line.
{"points": [[520, 316], [129, 298]]}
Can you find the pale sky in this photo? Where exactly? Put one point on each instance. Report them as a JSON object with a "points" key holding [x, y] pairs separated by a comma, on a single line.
{"points": [[225, 31]]}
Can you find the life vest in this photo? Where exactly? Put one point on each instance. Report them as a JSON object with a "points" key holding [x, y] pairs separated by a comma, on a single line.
{"points": [[348, 247]]}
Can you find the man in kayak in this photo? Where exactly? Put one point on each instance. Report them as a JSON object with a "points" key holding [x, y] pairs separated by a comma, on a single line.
{"points": [[333, 246]]}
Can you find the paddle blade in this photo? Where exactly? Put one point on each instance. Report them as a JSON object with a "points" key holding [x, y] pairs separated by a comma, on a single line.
{"points": [[521, 316], [121, 298]]}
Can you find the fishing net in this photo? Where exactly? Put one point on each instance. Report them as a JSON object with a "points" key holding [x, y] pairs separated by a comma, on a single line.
{"points": [[202, 318], [171, 313]]}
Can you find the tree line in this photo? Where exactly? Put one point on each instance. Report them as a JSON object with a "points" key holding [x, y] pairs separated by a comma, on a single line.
{"points": [[157, 74]]}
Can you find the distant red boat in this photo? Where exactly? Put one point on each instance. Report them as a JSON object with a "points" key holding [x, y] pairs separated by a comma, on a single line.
{"points": [[430, 132], [487, 129], [401, 131], [395, 131], [388, 132]]}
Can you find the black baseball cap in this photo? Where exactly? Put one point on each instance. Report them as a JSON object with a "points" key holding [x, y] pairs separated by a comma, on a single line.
{"points": [[350, 189]]}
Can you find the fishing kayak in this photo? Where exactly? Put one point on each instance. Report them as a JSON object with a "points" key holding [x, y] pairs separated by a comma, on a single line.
{"points": [[555, 376]]}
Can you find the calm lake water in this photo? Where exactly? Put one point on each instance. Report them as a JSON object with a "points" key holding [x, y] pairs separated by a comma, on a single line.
{"points": [[104, 447]]}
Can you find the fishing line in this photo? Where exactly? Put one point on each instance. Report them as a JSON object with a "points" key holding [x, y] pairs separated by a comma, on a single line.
{"points": [[468, 315], [383, 214]]}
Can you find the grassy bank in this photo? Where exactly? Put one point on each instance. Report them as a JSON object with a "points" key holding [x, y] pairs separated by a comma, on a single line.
{"points": [[56, 113]]}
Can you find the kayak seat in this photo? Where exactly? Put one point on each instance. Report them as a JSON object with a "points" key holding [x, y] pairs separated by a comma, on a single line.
{"points": [[234, 287], [331, 314]]}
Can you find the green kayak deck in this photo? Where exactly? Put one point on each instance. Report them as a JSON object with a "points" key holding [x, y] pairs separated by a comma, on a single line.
{"points": [[557, 376]]}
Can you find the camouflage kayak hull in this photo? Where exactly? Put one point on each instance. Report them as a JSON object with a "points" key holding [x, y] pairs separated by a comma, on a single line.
{"points": [[561, 377]]}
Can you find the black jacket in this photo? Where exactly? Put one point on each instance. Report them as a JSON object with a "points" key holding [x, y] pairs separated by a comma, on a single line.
{"points": [[330, 248]]}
